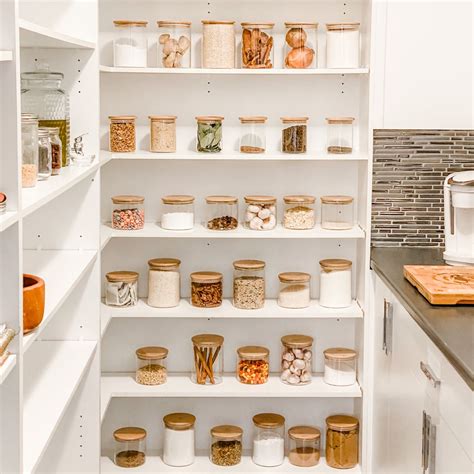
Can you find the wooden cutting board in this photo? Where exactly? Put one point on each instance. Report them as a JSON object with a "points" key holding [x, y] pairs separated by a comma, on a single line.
{"points": [[442, 284]]}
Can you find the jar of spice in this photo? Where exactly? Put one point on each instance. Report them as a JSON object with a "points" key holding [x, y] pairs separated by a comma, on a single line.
{"points": [[121, 289], [206, 289], [151, 365], [305, 446], [340, 366], [340, 135], [130, 44], [343, 45], [162, 133], [128, 212], [174, 44], [296, 359], [130, 446], [249, 284], [122, 133], [252, 135], [268, 439], [208, 364], [44, 154], [301, 45], [163, 282], [56, 150], [253, 365], [294, 290], [257, 45], [337, 212], [299, 212], [293, 135], [222, 212], [178, 442], [226, 445], [335, 285], [178, 212], [209, 133], [29, 150], [218, 44], [342, 441], [260, 213]]}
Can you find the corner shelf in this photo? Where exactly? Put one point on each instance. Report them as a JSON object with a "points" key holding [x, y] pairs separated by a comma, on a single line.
{"points": [[6, 55], [7, 367]]}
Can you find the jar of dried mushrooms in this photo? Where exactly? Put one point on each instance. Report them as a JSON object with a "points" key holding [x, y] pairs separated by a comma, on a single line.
{"points": [[162, 133], [342, 441], [206, 289], [151, 365], [174, 44], [208, 364], [130, 446], [257, 45], [218, 44]]}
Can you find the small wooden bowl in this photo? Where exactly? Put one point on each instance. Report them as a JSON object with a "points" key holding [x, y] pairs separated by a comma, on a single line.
{"points": [[33, 302]]}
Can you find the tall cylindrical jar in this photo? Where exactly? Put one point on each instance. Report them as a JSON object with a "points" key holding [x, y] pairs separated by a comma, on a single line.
{"points": [[130, 43], [335, 284], [299, 212], [151, 365], [218, 44], [174, 44], [122, 133], [178, 212], [208, 367], [56, 150], [295, 290], [226, 445], [294, 134], [343, 45], [305, 446], [44, 154], [257, 45], [268, 439], [29, 150], [340, 366], [301, 45], [249, 284], [162, 133], [252, 135], [340, 135], [296, 359], [209, 133], [130, 446], [179, 439], [342, 441], [163, 282]]}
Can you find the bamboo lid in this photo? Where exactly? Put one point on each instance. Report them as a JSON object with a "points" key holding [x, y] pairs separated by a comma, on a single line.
{"points": [[340, 120], [3, 197], [122, 117], [209, 118], [305, 433], [173, 23], [299, 199], [291, 24], [130, 23], [253, 119], [119, 276], [331, 264], [227, 432], [249, 264], [128, 199], [253, 352], [163, 118], [260, 199], [340, 353], [178, 199], [294, 277], [337, 199], [151, 353], [179, 421], [207, 340], [268, 420], [164, 263], [342, 422], [217, 22], [297, 340], [206, 277], [294, 119], [342, 26], [221, 199], [262, 25], [129, 433]]}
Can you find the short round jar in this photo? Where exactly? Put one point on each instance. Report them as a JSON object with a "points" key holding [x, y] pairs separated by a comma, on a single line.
{"points": [[340, 366], [122, 137], [342, 441], [208, 365], [174, 44], [249, 284], [260, 212], [222, 212], [299, 212], [335, 284], [129, 446], [218, 44], [340, 135], [151, 365], [179, 439], [121, 289], [226, 445], [206, 289], [294, 290], [209, 133], [252, 134], [253, 367], [337, 212], [268, 439], [130, 43], [162, 133], [294, 134], [257, 45], [296, 359], [305, 446], [128, 212], [163, 282], [301, 45], [178, 212], [343, 45]]}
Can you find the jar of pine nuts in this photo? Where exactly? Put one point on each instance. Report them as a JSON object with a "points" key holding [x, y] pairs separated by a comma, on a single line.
{"points": [[151, 365], [162, 133], [122, 133], [218, 44]]}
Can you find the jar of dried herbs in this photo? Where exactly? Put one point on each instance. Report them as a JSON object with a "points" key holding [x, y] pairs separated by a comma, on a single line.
{"points": [[206, 289], [122, 133], [342, 441], [130, 446], [56, 150], [209, 133], [252, 134], [294, 134], [226, 445], [162, 133], [208, 364]]}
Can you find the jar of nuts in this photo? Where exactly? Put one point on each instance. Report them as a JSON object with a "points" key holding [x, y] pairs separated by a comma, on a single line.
{"points": [[174, 44], [299, 212], [122, 133], [296, 359], [128, 212], [151, 365], [206, 289], [162, 133], [249, 284], [222, 213], [260, 213], [253, 366]]}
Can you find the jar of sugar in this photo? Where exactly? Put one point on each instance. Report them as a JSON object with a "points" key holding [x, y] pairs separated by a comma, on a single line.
{"points": [[335, 284], [163, 282], [294, 290], [178, 442], [337, 212], [343, 45], [340, 366], [268, 439], [130, 44], [178, 212]]}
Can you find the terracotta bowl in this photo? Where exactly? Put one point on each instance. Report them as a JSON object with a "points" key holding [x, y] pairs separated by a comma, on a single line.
{"points": [[33, 302]]}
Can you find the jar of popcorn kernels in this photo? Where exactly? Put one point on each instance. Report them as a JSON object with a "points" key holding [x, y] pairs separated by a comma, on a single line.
{"points": [[128, 212]]}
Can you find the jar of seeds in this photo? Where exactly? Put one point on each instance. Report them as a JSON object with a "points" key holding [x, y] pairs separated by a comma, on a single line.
{"points": [[222, 212], [208, 365], [128, 212], [206, 289], [249, 284], [293, 135], [130, 446], [151, 365], [162, 133], [226, 445], [122, 133], [121, 289], [209, 133]]}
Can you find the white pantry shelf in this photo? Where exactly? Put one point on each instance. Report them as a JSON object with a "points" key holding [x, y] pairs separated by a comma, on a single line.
{"points": [[6, 55], [8, 219], [7, 367]]}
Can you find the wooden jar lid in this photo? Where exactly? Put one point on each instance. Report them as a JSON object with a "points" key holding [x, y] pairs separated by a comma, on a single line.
{"points": [[297, 340], [342, 26], [151, 353], [331, 264], [163, 118], [260, 199], [206, 277], [227, 432], [337, 199], [179, 421], [292, 24], [340, 120], [221, 199], [342, 422], [184, 23], [340, 353], [131, 118], [163, 263], [253, 352], [294, 119], [305, 433], [207, 340], [122, 276], [178, 199], [299, 199], [262, 25], [209, 118], [294, 277], [253, 119], [217, 22], [268, 420], [130, 23], [249, 264], [129, 433], [128, 199]]}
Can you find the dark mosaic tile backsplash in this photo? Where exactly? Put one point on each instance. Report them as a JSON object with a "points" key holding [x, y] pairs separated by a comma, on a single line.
{"points": [[409, 171]]}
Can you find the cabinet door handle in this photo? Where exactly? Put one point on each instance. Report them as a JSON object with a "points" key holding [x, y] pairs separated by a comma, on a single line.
{"points": [[429, 374], [425, 442], [387, 327]]}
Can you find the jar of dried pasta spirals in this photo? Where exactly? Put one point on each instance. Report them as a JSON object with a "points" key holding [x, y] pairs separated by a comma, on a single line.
{"points": [[162, 133]]}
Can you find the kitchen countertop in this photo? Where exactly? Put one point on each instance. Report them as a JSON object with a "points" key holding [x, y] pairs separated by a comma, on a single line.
{"points": [[451, 328]]}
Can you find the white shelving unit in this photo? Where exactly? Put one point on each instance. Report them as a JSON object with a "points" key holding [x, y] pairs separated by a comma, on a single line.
{"points": [[7, 367], [6, 55]]}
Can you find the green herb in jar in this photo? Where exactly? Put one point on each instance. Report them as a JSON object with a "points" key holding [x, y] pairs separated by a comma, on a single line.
{"points": [[209, 137]]}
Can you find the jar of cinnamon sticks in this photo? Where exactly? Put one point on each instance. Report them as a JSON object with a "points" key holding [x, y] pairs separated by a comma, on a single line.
{"points": [[208, 364]]}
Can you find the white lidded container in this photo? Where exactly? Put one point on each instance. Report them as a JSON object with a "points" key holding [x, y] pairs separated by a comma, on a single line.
{"points": [[179, 439], [337, 212], [335, 284], [218, 44], [268, 439], [340, 366], [343, 45], [130, 44], [163, 282], [178, 212]]}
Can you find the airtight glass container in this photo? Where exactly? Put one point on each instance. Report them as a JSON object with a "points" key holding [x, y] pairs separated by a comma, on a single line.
{"points": [[296, 359], [252, 134], [343, 45], [226, 445], [305, 446], [121, 288], [340, 366], [174, 44], [294, 134], [151, 365], [209, 133], [222, 213], [206, 289], [178, 212], [44, 154], [29, 150], [301, 45], [162, 133], [253, 365], [299, 212], [122, 133], [179, 439], [218, 44], [128, 212], [294, 290], [342, 441], [163, 282], [249, 284], [129, 447], [257, 45], [130, 43], [335, 283], [268, 439], [260, 212], [208, 364], [56, 150], [337, 212], [340, 135]]}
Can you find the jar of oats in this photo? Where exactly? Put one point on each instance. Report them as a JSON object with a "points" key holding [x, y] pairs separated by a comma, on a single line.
{"points": [[249, 284], [206, 289], [218, 44], [163, 282], [162, 133], [299, 212], [122, 133], [151, 365]]}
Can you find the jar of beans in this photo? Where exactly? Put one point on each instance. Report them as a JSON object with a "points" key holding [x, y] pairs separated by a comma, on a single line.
{"points": [[130, 446], [296, 359], [163, 282], [151, 365], [222, 212], [162, 133], [226, 445], [253, 365], [128, 212], [121, 289], [122, 133], [249, 284], [294, 134], [206, 289], [208, 365], [260, 212], [299, 212]]}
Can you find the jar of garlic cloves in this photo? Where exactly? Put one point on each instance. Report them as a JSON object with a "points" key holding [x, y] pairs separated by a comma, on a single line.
{"points": [[174, 44]]}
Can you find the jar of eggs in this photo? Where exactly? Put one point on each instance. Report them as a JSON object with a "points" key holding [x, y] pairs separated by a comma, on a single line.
{"points": [[301, 45]]}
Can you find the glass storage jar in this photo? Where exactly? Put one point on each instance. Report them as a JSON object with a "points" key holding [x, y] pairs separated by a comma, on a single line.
{"points": [[305, 446], [218, 44], [208, 366], [130, 446], [174, 44], [44, 154], [162, 133], [260, 212], [301, 45], [340, 135], [253, 367], [222, 212], [209, 133], [252, 134], [179, 439], [128, 212], [257, 45], [178, 212], [296, 359], [337, 212], [122, 133], [121, 288], [249, 284], [343, 45], [151, 365], [42, 95], [56, 150], [342, 441], [206, 289], [163, 282], [299, 212], [29, 150], [294, 290], [130, 44], [226, 445], [340, 366], [294, 134], [268, 439], [3, 209], [335, 284]]}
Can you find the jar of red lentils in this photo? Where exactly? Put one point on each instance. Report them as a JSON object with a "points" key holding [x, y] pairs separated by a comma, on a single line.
{"points": [[128, 212]]}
